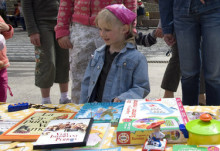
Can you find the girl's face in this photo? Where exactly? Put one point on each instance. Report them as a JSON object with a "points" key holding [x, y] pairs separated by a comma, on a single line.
{"points": [[114, 35]]}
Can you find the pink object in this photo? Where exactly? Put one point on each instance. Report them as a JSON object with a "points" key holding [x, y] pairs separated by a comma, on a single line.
{"points": [[3, 85], [83, 12], [125, 15]]}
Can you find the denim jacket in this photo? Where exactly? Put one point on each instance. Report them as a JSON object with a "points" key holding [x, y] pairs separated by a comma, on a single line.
{"points": [[169, 9], [127, 77]]}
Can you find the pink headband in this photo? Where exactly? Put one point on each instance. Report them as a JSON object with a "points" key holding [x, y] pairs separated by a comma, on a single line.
{"points": [[125, 15]]}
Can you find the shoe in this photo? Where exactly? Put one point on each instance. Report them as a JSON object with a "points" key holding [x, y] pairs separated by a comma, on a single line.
{"points": [[46, 102], [68, 100]]}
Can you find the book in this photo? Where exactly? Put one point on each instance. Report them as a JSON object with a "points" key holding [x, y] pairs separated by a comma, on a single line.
{"points": [[6, 124], [96, 138], [140, 113], [64, 133], [196, 147], [105, 112], [108, 149], [196, 115], [31, 127]]}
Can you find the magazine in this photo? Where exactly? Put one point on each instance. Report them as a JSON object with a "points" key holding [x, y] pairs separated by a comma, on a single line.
{"points": [[31, 127], [104, 112], [64, 133]]}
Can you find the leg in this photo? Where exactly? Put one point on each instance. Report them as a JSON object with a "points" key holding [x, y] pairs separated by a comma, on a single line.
{"points": [[85, 40], [172, 74], [62, 72], [202, 98], [3, 85], [45, 60], [210, 25], [188, 35]]}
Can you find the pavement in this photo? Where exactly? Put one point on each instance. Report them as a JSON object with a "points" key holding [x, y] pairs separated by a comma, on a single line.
{"points": [[21, 71]]}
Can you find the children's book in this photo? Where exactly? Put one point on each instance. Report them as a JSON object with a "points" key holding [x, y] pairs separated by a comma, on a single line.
{"points": [[6, 124], [105, 112], [140, 113], [31, 127], [196, 147], [64, 133], [107, 149], [196, 115], [96, 138]]}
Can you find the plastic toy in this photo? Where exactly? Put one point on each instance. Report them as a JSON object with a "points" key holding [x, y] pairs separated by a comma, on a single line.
{"points": [[23, 106], [155, 142], [17, 107], [203, 131]]}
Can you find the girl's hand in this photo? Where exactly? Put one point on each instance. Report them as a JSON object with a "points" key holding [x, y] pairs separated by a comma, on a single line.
{"points": [[116, 100], [35, 39], [159, 33], [4, 27], [202, 1], [65, 43]]}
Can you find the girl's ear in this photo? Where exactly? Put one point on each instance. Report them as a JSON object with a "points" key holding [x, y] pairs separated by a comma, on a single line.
{"points": [[125, 28]]}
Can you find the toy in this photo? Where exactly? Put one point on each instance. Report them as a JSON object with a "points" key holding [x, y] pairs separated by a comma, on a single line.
{"points": [[203, 131], [155, 142], [23, 106]]}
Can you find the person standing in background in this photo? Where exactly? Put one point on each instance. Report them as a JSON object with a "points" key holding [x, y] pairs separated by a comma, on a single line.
{"points": [[3, 10], [197, 25], [82, 38], [52, 65]]}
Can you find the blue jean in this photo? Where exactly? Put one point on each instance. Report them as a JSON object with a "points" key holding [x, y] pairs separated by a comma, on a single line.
{"points": [[191, 31]]}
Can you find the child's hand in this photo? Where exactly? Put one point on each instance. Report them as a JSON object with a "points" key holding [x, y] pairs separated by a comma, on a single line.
{"points": [[35, 39], [159, 33], [65, 43], [4, 27], [116, 100]]}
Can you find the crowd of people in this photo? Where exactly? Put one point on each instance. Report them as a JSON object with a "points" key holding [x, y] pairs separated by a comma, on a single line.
{"points": [[96, 42]]}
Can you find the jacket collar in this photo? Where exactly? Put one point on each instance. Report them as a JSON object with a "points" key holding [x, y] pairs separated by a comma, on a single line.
{"points": [[127, 47]]}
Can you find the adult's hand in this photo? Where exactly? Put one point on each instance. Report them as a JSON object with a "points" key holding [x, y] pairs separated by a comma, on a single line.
{"points": [[65, 43], [169, 39], [4, 27], [202, 1], [35, 39], [159, 33]]}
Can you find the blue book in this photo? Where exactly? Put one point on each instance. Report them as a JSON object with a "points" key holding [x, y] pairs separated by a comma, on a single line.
{"points": [[105, 112]]}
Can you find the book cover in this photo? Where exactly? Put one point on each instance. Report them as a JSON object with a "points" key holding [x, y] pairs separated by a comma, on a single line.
{"points": [[108, 149], [64, 133], [139, 113], [31, 127], [196, 115], [104, 112], [96, 138], [196, 147]]}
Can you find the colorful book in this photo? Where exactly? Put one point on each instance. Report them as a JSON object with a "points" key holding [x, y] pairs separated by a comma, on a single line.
{"points": [[196, 147], [196, 115], [107, 149], [31, 127], [96, 138], [105, 112], [64, 133], [140, 113]]}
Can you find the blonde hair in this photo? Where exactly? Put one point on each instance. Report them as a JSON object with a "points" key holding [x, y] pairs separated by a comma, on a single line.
{"points": [[110, 19]]}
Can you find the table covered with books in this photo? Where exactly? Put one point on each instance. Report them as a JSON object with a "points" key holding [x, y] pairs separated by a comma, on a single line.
{"points": [[110, 140]]}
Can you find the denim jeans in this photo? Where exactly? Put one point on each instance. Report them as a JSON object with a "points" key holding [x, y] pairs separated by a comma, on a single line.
{"points": [[191, 31]]}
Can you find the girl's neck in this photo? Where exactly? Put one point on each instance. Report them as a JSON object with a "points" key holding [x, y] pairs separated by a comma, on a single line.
{"points": [[118, 48]]}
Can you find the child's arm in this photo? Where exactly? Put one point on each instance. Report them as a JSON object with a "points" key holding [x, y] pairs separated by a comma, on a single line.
{"points": [[85, 85], [6, 30], [146, 40], [2, 42], [141, 86]]}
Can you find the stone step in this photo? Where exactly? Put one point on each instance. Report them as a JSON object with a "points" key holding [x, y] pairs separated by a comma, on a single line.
{"points": [[154, 15], [150, 22]]}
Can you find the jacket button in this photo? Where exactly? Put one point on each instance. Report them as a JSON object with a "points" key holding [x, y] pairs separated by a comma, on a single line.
{"points": [[98, 67], [124, 63]]}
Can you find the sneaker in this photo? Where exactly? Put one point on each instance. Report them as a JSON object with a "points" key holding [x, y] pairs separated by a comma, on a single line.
{"points": [[68, 100], [46, 102]]}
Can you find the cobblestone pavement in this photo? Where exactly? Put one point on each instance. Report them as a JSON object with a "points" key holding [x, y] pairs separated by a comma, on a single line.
{"points": [[21, 71], [20, 49]]}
